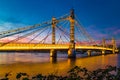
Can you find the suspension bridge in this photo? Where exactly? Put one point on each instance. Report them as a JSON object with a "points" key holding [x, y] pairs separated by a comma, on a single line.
{"points": [[58, 34]]}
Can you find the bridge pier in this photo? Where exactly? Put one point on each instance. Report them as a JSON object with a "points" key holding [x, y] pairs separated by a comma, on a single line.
{"points": [[89, 52], [71, 53], [103, 52], [53, 53], [113, 51]]}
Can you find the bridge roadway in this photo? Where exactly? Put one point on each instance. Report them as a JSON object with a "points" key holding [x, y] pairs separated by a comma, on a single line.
{"points": [[26, 46]]}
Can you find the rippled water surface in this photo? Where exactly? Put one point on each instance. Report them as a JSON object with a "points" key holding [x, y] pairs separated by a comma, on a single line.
{"points": [[35, 62]]}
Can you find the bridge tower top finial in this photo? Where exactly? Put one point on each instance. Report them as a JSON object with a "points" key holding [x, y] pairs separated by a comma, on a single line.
{"points": [[72, 14]]}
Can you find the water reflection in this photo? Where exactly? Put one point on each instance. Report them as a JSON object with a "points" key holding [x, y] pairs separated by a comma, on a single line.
{"points": [[103, 60], [118, 59], [53, 60], [71, 62], [34, 63]]}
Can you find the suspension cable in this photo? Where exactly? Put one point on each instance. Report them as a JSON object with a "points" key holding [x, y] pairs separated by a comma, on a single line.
{"points": [[60, 35], [48, 33], [31, 33], [63, 32], [23, 36], [84, 31], [45, 36], [80, 32], [23, 29], [37, 35]]}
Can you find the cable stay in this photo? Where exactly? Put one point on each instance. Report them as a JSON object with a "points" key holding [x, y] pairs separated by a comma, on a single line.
{"points": [[48, 33], [61, 35], [64, 32], [62, 18], [82, 31], [58, 39], [79, 35], [23, 36], [82, 28], [20, 30], [59, 25], [85, 33], [31, 33], [24, 29], [37, 35], [44, 39]]}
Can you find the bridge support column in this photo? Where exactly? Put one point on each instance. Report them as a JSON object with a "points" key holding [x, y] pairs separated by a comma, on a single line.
{"points": [[103, 42], [53, 53], [103, 52], [89, 52], [71, 51], [114, 45], [113, 51]]}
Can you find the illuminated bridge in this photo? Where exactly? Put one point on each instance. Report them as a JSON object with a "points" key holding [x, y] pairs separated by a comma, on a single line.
{"points": [[58, 34]]}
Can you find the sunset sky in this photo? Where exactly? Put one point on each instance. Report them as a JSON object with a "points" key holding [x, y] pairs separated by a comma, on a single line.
{"points": [[101, 18]]}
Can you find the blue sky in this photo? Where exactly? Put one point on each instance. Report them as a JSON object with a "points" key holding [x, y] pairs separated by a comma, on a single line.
{"points": [[101, 18]]}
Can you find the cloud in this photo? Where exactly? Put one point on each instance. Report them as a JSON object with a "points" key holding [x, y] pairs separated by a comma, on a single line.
{"points": [[101, 35], [108, 32], [96, 32], [113, 30], [116, 32], [118, 42], [4, 26]]}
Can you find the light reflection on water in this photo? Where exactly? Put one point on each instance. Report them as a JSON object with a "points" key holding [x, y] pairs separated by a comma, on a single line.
{"points": [[14, 57], [34, 63]]}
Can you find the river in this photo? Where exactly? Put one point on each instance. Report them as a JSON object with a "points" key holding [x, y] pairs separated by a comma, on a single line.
{"points": [[35, 62]]}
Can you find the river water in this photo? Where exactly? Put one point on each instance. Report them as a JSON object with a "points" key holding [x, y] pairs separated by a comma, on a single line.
{"points": [[35, 62]]}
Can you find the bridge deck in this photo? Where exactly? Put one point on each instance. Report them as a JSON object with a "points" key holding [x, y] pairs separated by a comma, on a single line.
{"points": [[21, 46]]}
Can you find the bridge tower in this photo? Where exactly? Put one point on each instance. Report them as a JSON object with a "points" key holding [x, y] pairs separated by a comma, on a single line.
{"points": [[52, 51], [114, 45], [103, 45], [71, 51], [103, 42]]}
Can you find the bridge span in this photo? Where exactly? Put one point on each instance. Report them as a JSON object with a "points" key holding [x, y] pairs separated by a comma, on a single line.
{"points": [[25, 46], [53, 36], [56, 47]]}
